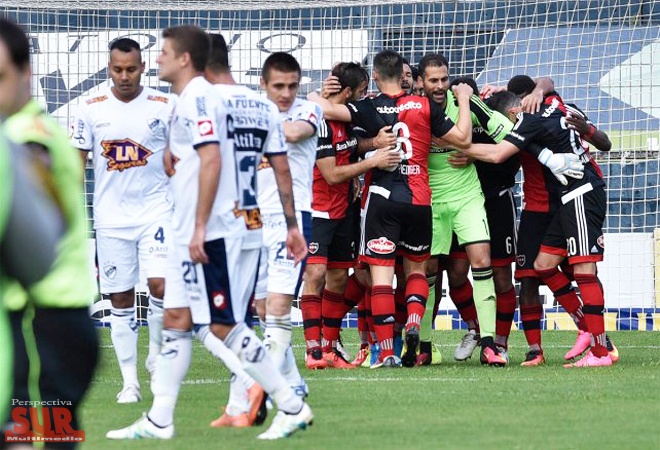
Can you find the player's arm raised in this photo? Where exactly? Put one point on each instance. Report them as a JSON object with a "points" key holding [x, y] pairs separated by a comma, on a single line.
{"points": [[331, 111], [298, 130], [589, 132], [460, 135]]}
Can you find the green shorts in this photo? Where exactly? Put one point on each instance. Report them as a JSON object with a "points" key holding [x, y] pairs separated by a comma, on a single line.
{"points": [[466, 217]]}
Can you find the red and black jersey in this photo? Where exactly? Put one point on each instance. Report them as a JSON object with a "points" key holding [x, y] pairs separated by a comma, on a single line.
{"points": [[494, 178], [334, 140], [547, 128], [414, 119]]}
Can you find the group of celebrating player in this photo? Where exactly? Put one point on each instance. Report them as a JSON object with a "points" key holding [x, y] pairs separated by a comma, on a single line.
{"points": [[218, 195]]}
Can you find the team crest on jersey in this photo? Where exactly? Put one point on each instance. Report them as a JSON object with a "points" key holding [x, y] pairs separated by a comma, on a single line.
{"points": [[124, 154], [205, 127], [520, 260], [110, 270], [154, 124], [313, 247], [601, 241], [98, 99], [381, 246]]}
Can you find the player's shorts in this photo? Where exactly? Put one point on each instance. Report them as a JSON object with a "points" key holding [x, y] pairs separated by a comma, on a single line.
{"points": [[532, 228], [277, 272], [501, 213], [393, 227], [467, 218], [228, 280], [333, 242], [576, 230], [123, 252]]}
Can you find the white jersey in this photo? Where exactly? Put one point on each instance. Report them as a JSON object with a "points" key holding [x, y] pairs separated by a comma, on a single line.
{"points": [[127, 140], [301, 155], [254, 129]]}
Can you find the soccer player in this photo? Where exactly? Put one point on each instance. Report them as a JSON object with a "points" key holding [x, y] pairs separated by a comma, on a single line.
{"points": [[398, 207], [458, 206], [52, 330], [279, 277], [418, 86], [407, 79], [570, 225], [125, 128], [332, 246]]}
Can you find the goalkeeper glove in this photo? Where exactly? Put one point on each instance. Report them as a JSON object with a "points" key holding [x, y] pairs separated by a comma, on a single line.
{"points": [[562, 165]]}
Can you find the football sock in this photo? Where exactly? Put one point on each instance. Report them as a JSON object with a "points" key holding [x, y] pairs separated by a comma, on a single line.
{"points": [[218, 349], [370, 316], [172, 364], [426, 325], [333, 311], [258, 364], [353, 294], [363, 328], [155, 322], [278, 338], [565, 295], [417, 291], [238, 402], [401, 310], [463, 299], [506, 307], [124, 335], [291, 372], [310, 306], [594, 305], [530, 316], [485, 300], [382, 307]]}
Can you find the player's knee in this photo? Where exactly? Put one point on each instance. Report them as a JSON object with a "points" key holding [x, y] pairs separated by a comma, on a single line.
{"points": [[529, 291], [156, 287], [502, 279], [279, 304], [124, 299], [314, 278], [260, 307], [177, 319]]}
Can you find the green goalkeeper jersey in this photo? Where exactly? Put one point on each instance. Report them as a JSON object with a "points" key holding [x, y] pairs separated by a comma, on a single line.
{"points": [[5, 335], [449, 183], [69, 284]]}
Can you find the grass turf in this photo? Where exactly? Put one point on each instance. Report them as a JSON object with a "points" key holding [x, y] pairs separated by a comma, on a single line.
{"points": [[451, 405]]}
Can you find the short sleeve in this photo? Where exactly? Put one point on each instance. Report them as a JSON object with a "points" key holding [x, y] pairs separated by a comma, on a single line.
{"points": [[80, 131], [440, 123], [524, 131], [324, 147], [276, 144], [204, 112], [311, 113]]}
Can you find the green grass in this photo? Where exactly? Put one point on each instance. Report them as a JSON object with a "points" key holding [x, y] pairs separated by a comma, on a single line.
{"points": [[452, 405]]}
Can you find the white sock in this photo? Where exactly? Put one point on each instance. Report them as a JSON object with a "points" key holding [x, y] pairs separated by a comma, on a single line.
{"points": [[124, 337], [172, 364], [258, 364], [238, 402], [155, 322], [278, 338], [218, 349], [291, 372]]}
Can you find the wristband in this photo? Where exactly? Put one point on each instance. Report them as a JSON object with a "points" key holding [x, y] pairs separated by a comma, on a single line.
{"points": [[591, 132]]}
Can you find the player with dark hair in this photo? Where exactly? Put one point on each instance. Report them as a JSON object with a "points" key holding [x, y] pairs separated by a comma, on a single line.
{"points": [[560, 221], [51, 327], [418, 87], [124, 128], [407, 79], [332, 246], [398, 212]]}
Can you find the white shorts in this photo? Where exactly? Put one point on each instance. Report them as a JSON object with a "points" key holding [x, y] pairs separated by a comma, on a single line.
{"points": [[217, 292], [182, 284], [277, 272], [123, 252]]}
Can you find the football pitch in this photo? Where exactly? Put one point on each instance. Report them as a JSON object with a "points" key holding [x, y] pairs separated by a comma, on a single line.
{"points": [[452, 405]]}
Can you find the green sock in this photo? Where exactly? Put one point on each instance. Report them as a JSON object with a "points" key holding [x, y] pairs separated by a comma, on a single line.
{"points": [[484, 300], [427, 321]]}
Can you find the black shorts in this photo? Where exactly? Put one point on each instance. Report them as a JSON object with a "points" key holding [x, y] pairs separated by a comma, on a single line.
{"points": [[532, 228], [333, 241], [64, 343], [391, 227], [501, 213], [576, 230]]}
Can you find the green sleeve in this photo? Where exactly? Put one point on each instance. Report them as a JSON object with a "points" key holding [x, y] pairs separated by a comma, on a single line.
{"points": [[498, 126]]}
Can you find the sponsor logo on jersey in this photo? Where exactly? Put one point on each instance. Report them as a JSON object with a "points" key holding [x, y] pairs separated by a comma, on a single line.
{"points": [[77, 132], [154, 124], [313, 247], [517, 136], [550, 109], [124, 154], [520, 260], [346, 145], [397, 109], [205, 127], [158, 98], [98, 99], [313, 119], [601, 241], [381, 246]]}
